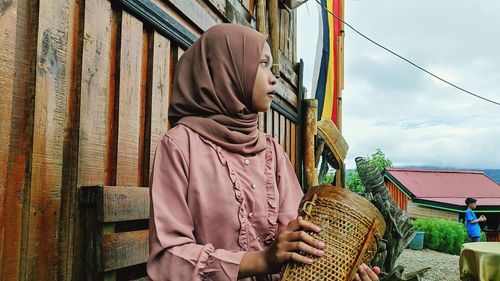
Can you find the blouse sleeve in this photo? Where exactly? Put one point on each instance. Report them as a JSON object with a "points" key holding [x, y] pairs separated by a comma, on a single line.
{"points": [[174, 254], [290, 192]]}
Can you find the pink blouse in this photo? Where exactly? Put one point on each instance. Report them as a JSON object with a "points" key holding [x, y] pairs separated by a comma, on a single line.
{"points": [[209, 206]]}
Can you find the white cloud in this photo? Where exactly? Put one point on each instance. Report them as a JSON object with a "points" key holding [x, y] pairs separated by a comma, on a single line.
{"points": [[414, 118]]}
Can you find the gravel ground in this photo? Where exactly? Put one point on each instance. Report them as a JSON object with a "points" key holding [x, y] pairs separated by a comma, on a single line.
{"points": [[444, 267]]}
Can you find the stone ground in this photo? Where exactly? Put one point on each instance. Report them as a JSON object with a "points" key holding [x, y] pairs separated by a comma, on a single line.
{"points": [[444, 267]]}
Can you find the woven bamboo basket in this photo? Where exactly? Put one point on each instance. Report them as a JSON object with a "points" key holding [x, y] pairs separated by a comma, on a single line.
{"points": [[351, 228]]}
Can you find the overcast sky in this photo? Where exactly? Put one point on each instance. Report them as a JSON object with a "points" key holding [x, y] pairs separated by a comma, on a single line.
{"points": [[388, 104]]}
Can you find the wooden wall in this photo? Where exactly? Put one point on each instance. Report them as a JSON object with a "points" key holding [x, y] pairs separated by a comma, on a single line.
{"points": [[493, 236], [415, 211], [85, 89], [398, 196]]}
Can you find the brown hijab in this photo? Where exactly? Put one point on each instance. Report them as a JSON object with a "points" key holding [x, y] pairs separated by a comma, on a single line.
{"points": [[213, 84]]}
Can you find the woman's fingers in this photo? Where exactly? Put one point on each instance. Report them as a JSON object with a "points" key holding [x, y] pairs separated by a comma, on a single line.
{"points": [[367, 274], [303, 247], [308, 239], [300, 223], [299, 258]]}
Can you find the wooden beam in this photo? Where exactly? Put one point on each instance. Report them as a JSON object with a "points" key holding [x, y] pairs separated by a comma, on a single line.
{"points": [[288, 71], [124, 249], [272, 8], [160, 91], [125, 203], [261, 16], [127, 164], [164, 23], [17, 76], [95, 140], [56, 39], [198, 12], [283, 90], [117, 203], [310, 123], [282, 131]]}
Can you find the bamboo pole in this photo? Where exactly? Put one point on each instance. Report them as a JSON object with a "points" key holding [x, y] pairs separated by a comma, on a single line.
{"points": [[261, 16], [341, 173], [272, 7], [311, 126]]}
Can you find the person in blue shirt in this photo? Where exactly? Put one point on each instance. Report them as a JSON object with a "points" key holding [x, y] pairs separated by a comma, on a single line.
{"points": [[471, 221]]}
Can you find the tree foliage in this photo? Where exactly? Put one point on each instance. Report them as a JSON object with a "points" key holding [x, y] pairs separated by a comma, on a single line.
{"points": [[378, 159]]}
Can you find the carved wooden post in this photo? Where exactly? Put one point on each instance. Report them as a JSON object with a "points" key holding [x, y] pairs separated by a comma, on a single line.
{"points": [[272, 8], [261, 16], [311, 125]]}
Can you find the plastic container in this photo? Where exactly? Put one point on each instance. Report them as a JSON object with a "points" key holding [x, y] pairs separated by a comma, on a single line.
{"points": [[418, 241]]}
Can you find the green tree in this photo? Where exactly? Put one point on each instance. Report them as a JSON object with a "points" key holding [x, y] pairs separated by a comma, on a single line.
{"points": [[378, 159]]}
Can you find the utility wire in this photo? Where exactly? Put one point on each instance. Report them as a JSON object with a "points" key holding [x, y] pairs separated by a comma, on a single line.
{"points": [[405, 59]]}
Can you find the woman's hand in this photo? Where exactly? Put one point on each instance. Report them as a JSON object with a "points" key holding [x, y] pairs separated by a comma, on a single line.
{"points": [[367, 274], [291, 243]]}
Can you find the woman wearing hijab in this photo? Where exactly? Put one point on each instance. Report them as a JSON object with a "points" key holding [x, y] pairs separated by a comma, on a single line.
{"points": [[224, 195]]}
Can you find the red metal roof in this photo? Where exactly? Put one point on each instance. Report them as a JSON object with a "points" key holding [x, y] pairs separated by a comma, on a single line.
{"points": [[448, 186]]}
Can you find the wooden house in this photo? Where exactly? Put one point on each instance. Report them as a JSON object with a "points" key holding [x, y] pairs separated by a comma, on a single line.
{"points": [[442, 194], [84, 97]]}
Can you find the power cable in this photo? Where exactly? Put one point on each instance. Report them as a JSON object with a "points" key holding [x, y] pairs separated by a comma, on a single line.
{"points": [[405, 59]]}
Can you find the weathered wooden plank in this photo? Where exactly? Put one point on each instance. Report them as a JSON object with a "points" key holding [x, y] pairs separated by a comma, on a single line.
{"points": [[116, 203], [198, 12], [282, 130], [234, 11], [94, 103], [145, 105], [9, 255], [56, 39], [114, 89], [269, 121], [127, 166], [282, 29], [69, 253], [288, 135], [276, 125], [284, 33], [160, 91], [17, 68], [273, 14], [124, 249], [171, 11], [262, 122], [125, 203], [294, 147], [287, 70], [261, 16], [284, 91], [294, 36]]}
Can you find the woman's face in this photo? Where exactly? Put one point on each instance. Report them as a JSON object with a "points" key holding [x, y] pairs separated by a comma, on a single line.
{"points": [[263, 89]]}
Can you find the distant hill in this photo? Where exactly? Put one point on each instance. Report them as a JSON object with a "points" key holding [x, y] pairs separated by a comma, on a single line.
{"points": [[493, 174]]}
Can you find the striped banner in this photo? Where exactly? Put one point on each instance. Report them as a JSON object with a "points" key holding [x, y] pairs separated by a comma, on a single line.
{"points": [[326, 77]]}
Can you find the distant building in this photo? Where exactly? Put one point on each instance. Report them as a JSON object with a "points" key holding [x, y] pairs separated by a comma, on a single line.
{"points": [[441, 194]]}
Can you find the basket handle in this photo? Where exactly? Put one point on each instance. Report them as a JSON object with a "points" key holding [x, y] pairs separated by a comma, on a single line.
{"points": [[361, 254], [309, 206]]}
